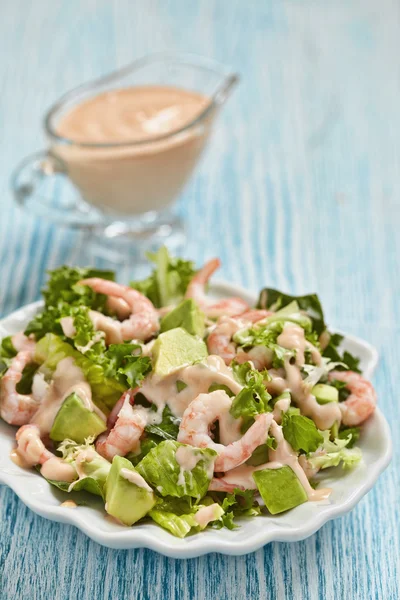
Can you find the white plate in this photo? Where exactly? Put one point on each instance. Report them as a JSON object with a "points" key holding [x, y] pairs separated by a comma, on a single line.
{"points": [[297, 524]]}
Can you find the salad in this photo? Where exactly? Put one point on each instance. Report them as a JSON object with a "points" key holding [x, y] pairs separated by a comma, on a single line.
{"points": [[172, 407]]}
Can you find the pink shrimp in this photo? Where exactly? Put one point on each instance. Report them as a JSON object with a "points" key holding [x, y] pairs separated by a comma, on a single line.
{"points": [[240, 478], [254, 315], [220, 342], [15, 408], [196, 290], [202, 412], [119, 307], [33, 452], [142, 323], [362, 400], [126, 432]]}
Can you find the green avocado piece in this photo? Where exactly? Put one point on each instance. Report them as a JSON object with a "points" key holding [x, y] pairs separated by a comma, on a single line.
{"points": [[76, 422], [325, 393], [126, 500], [280, 489], [176, 348], [186, 315]]}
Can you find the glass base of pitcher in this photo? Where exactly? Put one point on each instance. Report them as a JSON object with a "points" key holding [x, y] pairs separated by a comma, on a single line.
{"points": [[125, 242]]}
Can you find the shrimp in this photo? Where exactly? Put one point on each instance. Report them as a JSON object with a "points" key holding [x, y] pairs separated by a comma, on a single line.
{"points": [[196, 290], [220, 339], [119, 307], [362, 400], [254, 315], [260, 356], [33, 452], [15, 408], [202, 412], [142, 323], [240, 478], [126, 432]]}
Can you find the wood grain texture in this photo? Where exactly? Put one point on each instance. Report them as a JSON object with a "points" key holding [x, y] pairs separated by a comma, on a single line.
{"points": [[300, 190]]}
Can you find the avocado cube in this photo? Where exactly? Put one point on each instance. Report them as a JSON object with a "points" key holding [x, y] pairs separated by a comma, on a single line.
{"points": [[128, 496], [76, 422], [280, 489], [176, 348], [325, 393], [186, 315]]}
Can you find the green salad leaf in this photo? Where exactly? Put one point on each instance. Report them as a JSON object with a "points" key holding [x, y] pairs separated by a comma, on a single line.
{"points": [[334, 453], [161, 469], [62, 294], [106, 390], [348, 361], [7, 352], [238, 504], [310, 303], [168, 429], [300, 432], [253, 399], [350, 432], [168, 282], [178, 515]]}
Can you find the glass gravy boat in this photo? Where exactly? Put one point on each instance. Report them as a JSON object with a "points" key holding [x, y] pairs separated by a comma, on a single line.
{"points": [[124, 188]]}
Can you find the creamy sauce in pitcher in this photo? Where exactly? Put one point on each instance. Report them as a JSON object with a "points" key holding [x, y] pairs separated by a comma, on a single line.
{"points": [[131, 114], [142, 173]]}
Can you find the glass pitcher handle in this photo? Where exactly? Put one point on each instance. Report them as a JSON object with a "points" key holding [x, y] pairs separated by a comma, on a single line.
{"points": [[26, 182]]}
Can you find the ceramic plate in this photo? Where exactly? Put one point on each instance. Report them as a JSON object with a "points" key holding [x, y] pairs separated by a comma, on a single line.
{"points": [[348, 486]]}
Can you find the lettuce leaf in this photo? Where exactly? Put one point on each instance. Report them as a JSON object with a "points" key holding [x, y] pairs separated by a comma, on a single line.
{"points": [[253, 399], [348, 361], [300, 431], [352, 432], [335, 453], [177, 515], [161, 469], [106, 390], [169, 280], [168, 429], [62, 294], [146, 444], [7, 352], [310, 303], [92, 466], [239, 503]]}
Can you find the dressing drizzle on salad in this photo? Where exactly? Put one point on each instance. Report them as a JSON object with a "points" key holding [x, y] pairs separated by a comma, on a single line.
{"points": [[215, 410]]}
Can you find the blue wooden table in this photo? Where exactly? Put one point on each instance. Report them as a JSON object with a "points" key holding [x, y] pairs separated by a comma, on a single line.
{"points": [[300, 190]]}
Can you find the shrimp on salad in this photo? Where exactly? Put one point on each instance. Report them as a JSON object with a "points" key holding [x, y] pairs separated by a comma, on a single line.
{"points": [[362, 400], [143, 321], [196, 290], [126, 432], [33, 452], [202, 412], [15, 408]]}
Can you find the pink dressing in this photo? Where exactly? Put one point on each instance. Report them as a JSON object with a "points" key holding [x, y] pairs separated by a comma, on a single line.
{"points": [[134, 477], [280, 407], [67, 378], [293, 338], [198, 378], [324, 415], [22, 343]]}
